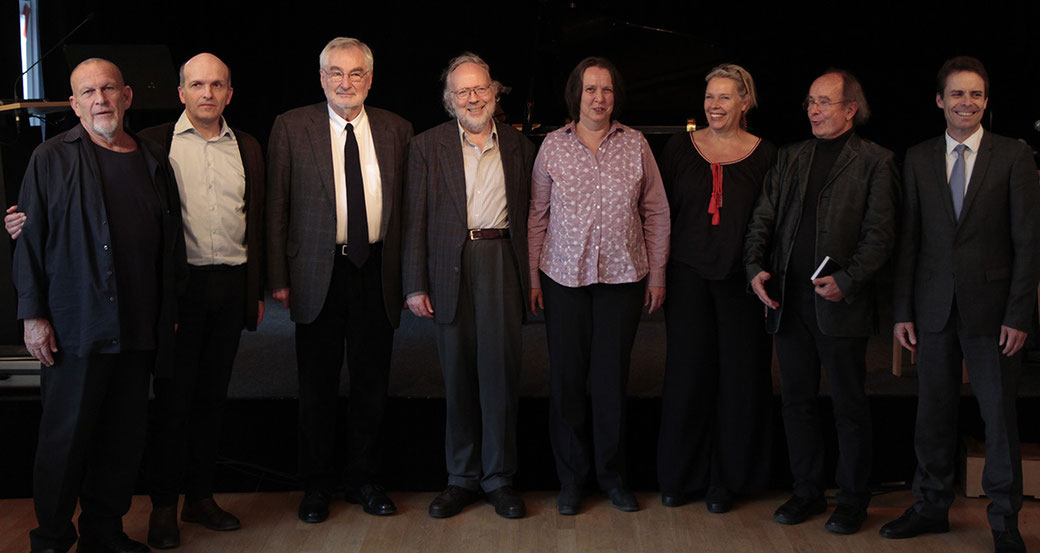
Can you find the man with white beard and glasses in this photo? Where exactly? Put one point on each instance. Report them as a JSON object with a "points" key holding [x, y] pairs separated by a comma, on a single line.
{"points": [[464, 266]]}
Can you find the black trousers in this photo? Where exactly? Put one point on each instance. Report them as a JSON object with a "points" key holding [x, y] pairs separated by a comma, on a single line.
{"points": [[715, 405], [92, 435], [801, 349], [353, 315], [994, 380], [480, 358], [186, 414], [590, 331]]}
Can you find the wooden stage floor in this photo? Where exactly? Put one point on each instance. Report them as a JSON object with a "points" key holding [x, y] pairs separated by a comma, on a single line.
{"points": [[270, 524]]}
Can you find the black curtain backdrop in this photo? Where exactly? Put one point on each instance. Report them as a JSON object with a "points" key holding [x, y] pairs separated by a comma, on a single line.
{"points": [[662, 48]]}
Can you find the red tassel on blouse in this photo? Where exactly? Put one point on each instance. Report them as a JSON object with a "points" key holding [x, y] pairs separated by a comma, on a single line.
{"points": [[716, 193]]}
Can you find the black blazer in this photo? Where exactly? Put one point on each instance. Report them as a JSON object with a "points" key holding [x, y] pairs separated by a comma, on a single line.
{"points": [[435, 224], [987, 260], [855, 225], [253, 163]]}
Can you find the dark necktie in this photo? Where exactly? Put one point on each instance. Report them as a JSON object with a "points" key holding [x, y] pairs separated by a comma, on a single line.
{"points": [[357, 218], [957, 180]]}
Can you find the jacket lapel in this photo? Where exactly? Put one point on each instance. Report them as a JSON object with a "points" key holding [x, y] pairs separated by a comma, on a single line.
{"points": [[942, 183], [511, 172], [848, 153], [385, 156], [804, 162], [454, 168], [321, 147]]}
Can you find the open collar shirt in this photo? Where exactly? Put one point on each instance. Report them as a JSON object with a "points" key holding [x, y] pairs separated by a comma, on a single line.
{"points": [[485, 182], [211, 181]]}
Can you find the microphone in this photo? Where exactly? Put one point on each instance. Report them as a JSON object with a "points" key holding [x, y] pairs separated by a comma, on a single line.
{"points": [[89, 17]]}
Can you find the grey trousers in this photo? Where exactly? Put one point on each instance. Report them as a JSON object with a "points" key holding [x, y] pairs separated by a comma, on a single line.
{"points": [[480, 358]]}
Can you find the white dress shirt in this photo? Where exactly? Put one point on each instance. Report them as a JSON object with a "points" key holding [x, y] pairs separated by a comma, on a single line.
{"points": [[970, 153], [212, 184], [369, 174]]}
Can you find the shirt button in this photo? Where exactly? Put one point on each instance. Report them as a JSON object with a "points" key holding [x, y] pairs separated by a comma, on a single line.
{"points": [[111, 298], [105, 247]]}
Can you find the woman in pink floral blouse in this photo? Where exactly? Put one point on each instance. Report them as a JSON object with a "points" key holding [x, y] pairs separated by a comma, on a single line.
{"points": [[598, 245]]}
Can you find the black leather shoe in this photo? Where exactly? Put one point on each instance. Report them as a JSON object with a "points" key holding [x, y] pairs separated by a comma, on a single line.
{"points": [[623, 500], [670, 499], [508, 503], [846, 519], [163, 532], [569, 502], [121, 544], [911, 524], [718, 500], [207, 513], [452, 501], [373, 500], [314, 507], [1008, 541], [798, 509]]}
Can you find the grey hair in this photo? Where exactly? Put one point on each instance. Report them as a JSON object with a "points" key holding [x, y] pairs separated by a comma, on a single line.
{"points": [[465, 57], [344, 42], [739, 75]]}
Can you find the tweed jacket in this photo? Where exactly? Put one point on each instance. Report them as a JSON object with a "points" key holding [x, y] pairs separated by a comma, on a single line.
{"points": [[301, 206], [435, 228]]}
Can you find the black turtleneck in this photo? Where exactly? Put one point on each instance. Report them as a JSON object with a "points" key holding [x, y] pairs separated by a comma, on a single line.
{"points": [[803, 256]]}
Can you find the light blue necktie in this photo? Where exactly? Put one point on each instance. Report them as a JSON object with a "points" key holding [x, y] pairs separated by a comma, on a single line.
{"points": [[957, 180]]}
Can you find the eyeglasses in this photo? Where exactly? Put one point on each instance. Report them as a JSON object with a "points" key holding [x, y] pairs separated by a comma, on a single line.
{"points": [[336, 76], [822, 103], [464, 93]]}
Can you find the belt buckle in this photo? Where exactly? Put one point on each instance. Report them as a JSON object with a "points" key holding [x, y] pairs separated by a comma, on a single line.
{"points": [[343, 249], [472, 233]]}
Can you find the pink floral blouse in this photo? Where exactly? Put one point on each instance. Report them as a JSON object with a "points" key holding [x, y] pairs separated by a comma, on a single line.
{"points": [[597, 217]]}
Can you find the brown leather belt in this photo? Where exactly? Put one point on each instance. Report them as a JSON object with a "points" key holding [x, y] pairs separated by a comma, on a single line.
{"points": [[488, 233]]}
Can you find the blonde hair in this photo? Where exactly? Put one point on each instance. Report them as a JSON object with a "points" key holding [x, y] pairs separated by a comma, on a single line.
{"points": [[745, 84]]}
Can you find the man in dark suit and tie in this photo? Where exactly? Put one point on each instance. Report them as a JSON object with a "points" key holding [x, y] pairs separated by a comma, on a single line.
{"points": [[966, 279], [464, 265], [334, 193], [835, 196]]}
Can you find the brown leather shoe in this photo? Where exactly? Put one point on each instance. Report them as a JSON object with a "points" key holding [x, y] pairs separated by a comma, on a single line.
{"points": [[163, 532], [207, 513]]}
